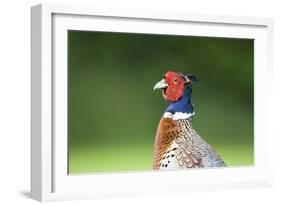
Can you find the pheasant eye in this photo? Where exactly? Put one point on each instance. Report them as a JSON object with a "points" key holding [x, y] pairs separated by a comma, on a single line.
{"points": [[175, 80]]}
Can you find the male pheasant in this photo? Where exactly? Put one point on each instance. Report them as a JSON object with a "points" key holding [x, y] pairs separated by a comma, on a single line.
{"points": [[177, 145]]}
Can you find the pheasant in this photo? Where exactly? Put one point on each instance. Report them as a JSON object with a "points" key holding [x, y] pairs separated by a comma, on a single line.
{"points": [[177, 144]]}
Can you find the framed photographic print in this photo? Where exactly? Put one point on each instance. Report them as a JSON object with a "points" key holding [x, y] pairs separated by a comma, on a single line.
{"points": [[138, 102]]}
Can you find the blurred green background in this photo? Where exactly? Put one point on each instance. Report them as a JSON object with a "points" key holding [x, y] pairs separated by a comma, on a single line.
{"points": [[113, 112]]}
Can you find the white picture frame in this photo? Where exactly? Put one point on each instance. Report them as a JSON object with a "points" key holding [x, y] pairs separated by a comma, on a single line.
{"points": [[49, 178]]}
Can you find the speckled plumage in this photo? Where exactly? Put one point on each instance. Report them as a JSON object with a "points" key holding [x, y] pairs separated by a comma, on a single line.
{"points": [[178, 146]]}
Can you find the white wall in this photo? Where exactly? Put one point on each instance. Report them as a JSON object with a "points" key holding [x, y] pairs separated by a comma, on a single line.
{"points": [[15, 95]]}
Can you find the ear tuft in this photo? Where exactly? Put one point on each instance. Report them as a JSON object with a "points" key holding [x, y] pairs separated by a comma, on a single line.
{"points": [[189, 76], [192, 77]]}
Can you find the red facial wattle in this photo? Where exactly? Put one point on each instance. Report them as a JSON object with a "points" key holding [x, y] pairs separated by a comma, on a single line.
{"points": [[175, 89]]}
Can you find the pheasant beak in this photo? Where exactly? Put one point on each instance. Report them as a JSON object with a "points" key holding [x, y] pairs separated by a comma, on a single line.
{"points": [[160, 85]]}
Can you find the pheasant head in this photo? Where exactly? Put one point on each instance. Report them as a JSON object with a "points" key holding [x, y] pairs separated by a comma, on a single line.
{"points": [[174, 85]]}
